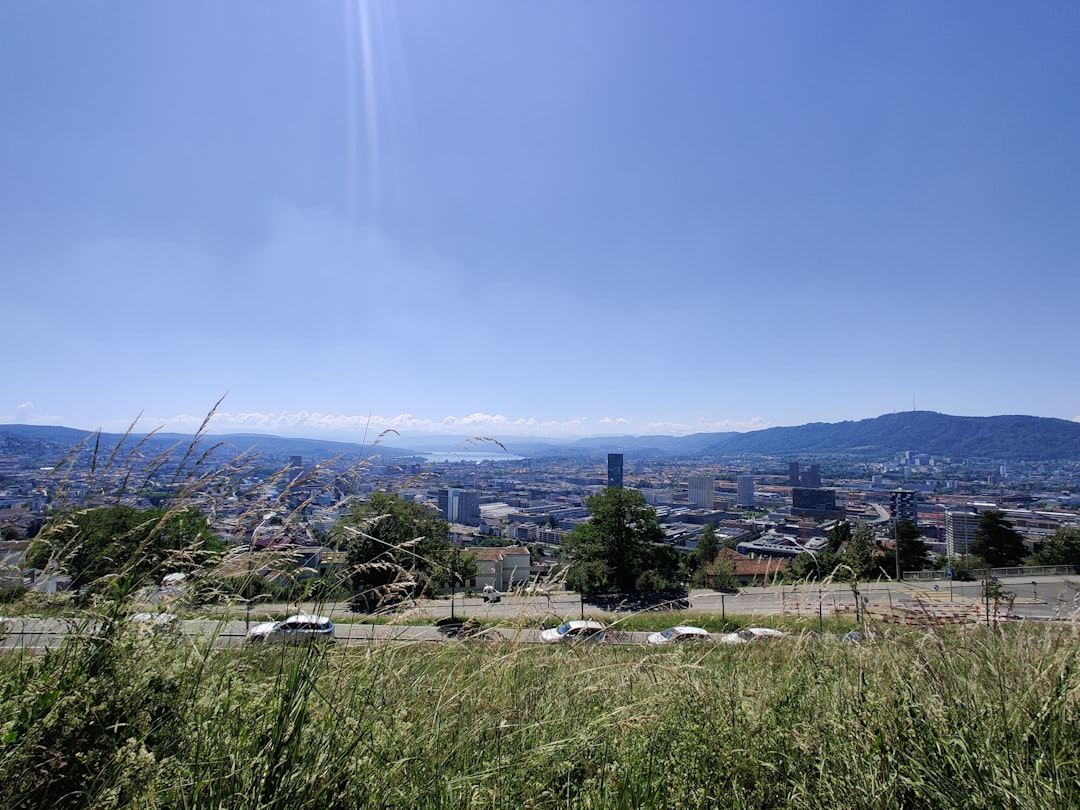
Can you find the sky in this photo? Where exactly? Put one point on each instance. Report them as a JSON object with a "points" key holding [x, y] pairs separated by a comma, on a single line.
{"points": [[336, 218]]}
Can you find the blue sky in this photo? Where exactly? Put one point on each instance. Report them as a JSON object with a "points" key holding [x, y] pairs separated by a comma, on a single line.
{"points": [[549, 218]]}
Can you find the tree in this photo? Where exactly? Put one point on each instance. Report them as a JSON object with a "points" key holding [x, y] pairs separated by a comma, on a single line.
{"points": [[706, 548], [997, 543], [909, 545], [394, 547], [860, 553], [124, 542], [618, 545], [1060, 548], [721, 575], [838, 535], [818, 566], [454, 567]]}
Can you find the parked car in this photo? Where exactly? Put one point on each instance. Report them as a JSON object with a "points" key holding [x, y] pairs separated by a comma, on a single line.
{"points": [[156, 624], [748, 634], [295, 629], [577, 630], [678, 634]]}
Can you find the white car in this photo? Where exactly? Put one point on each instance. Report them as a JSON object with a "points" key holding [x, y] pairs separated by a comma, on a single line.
{"points": [[577, 630], [679, 633], [302, 627], [156, 624], [748, 634]]}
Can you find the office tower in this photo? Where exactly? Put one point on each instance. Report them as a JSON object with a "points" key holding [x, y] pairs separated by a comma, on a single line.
{"points": [[812, 477], [793, 474], [459, 506], [701, 491], [614, 470], [903, 505], [815, 502], [961, 529], [746, 491]]}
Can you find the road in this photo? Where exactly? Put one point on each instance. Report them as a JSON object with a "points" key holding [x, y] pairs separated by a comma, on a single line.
{"points": [[1041, 599]]}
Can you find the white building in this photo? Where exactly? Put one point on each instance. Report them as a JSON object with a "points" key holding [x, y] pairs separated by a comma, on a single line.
{"points": [[961, 529], [702, 491], [501, 567]]}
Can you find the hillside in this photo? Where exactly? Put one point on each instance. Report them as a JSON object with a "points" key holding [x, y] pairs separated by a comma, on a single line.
{"points": [[999, 437]]}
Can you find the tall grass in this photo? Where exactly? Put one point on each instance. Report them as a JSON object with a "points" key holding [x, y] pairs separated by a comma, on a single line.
{"points": [[961, 718]]}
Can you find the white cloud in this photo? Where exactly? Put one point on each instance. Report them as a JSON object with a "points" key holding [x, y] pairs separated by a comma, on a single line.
{"points": [[24, 413], [315, 424]]}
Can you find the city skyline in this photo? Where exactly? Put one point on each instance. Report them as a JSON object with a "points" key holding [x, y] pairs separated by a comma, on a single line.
{"points": [[560, 221]]}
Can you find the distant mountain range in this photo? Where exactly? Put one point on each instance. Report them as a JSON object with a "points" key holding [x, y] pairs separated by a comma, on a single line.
{"points": [[1008, 438]]}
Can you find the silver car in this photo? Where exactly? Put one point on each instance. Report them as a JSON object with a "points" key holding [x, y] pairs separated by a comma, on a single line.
{"points": [[576, 630], [748, 634], [679, 634], [302, 627]]}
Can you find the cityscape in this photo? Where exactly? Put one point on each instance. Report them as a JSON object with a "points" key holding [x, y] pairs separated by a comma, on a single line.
{"points": [[764, 511]]}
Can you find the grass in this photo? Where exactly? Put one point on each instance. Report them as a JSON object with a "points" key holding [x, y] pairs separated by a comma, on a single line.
{"points": [[965, 717]]}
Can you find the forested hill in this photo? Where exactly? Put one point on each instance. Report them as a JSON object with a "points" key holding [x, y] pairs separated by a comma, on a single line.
{"points": [[998, 437]]}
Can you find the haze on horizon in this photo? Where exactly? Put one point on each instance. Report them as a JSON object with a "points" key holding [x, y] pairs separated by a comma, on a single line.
{"points": [[561, 219]]}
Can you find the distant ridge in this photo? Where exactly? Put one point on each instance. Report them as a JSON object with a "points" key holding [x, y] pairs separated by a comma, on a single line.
{"points": [[1008, 438], [1033, 438]]}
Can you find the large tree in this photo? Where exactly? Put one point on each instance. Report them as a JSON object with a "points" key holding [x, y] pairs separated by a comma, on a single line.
{"points": [[619, 549], [706, 547], [124, 543], [1060, 548], [997, 543], [861, 554], [395, 547], [908, 543]]}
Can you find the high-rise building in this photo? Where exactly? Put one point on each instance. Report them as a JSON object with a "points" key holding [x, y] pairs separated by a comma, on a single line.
{"points": [[459, 506], [810, 477], [961, 529], [903, 505], [746, 491], [702, 491], [615, 470], [793, 473], [814, 502]]}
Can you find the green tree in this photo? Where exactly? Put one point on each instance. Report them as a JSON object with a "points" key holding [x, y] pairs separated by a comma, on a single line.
{"points": [[1060, 548], [393, 546], [706, 548], [818, 566], [721, 574], [997, 543], [454, 567], [618, 545], [838, 535], [909, 545], [860, 554], [125, 543]]}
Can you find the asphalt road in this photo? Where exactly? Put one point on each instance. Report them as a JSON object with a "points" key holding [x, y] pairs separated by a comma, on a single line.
{"points": [[1041, 599]]}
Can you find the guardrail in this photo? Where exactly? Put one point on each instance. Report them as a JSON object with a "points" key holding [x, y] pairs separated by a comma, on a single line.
{"points": [[980, 573]]}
